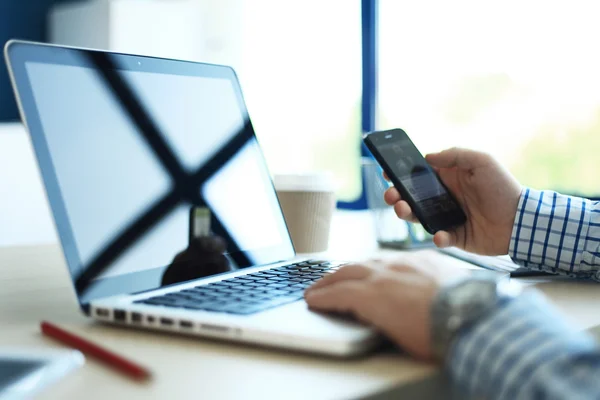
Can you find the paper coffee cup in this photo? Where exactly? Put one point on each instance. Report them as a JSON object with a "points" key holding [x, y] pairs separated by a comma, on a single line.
{"points": [[308, 204]]}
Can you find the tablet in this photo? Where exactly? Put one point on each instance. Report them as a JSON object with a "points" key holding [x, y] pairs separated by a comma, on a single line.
{"points": [[25, 372]]}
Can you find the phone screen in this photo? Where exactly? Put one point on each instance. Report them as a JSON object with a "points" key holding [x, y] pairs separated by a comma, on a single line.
{"points": [[417, 177]]}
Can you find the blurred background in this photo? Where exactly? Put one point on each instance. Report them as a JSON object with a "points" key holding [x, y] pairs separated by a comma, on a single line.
{"points": [[518, 79]]}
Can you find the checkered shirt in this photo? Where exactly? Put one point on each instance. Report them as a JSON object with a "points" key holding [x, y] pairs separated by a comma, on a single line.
{"points": [[525, 349]]}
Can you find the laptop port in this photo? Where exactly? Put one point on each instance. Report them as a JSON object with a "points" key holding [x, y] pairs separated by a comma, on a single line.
{"points": [[150, 319], [136, 317], [186, 324], [166, 321], [102, 312], [119, 315], [216, 328]]}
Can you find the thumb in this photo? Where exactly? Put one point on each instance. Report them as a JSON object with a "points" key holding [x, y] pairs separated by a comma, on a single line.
{"points": [[456, 157]]}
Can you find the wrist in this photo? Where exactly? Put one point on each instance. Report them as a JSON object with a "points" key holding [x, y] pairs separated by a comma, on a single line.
{"points": [[463, 304], [511, 220]]}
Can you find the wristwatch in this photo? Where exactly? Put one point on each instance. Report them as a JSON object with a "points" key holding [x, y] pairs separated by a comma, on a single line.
{"points": [[462, 303]]}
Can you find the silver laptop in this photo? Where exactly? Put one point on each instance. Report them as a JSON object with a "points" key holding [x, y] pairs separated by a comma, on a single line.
{"points": [[163, 202]]}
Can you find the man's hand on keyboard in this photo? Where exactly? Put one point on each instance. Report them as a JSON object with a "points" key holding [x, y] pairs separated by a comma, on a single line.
{"points": [[395, 297], [487, 192]]}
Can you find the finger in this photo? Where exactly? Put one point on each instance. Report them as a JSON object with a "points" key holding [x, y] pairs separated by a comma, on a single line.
{"points": [[387, 178], [444, 239], [348, 272], [392, 196], [347, 296], [447, 175], [456, 157], [403, 211]]}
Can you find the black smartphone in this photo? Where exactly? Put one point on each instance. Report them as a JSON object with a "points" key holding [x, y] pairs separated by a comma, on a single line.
{"points": [[418, 184]]}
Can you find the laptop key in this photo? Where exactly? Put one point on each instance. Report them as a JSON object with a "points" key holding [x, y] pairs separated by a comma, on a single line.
{"points": [[173, 295], [276, 285], [253, 296], [208, 294], [244, 278], [199, 298], [299, 280], [277, 278], [277, 292], [228, 294], [312, 276], [186, 296], [317, 272], [300, 286], [247, 310], [288, 268], [238, 286], [274, 272], [262, 273], [224, 289], [215, 306], [250, 289], [176, 304], [205, 288], [289, 283], [262, 298]]}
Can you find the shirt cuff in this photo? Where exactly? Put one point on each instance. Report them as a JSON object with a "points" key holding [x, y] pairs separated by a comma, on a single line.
{"points": [[550, 231], [500, 356]]}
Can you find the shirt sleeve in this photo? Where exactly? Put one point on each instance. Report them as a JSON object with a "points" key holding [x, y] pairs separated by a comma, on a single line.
{"points": [[525, 350], [558, 234]]}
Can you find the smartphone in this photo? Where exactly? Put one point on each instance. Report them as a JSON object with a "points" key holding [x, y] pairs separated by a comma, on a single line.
{"points": [[25, 372], [418, 184]]}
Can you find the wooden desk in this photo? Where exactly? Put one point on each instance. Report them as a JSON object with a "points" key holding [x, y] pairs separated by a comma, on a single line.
{"points": [[35, 285]]}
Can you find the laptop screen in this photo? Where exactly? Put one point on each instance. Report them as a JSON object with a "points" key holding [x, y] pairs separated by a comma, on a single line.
{"points": [[151, 166]]}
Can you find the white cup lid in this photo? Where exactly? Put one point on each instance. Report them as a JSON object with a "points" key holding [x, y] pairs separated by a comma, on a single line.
{"points": [[306, 182]]}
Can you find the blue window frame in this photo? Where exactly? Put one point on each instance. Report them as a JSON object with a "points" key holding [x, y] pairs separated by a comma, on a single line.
{"points": [[369, 89]]}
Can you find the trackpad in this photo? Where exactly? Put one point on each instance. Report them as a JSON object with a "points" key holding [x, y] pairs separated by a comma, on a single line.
{"points": [[296, 318]]}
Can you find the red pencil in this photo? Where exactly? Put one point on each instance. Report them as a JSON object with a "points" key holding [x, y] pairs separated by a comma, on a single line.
{"points": [[113, 360]]}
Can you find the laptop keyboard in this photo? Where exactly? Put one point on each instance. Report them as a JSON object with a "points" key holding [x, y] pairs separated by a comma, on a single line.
{"points": [[248, 294]]}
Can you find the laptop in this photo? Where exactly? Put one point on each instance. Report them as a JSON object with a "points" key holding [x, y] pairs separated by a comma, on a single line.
{"points": [[163, 203]]}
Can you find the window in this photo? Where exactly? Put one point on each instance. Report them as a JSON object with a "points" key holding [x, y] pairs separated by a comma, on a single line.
{"points": [[300, 70], [518, 79], [299, 64]]}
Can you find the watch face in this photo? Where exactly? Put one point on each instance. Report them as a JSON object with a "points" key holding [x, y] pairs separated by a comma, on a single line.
{"points": [[472, 293], [462, 304]]}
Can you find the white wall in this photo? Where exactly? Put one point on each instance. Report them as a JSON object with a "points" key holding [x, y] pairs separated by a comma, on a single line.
{"points": [[200, 30], [24, 213]]}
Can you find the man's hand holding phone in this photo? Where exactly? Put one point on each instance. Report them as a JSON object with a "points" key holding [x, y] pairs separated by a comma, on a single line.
{"points": [[487, 193]]}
